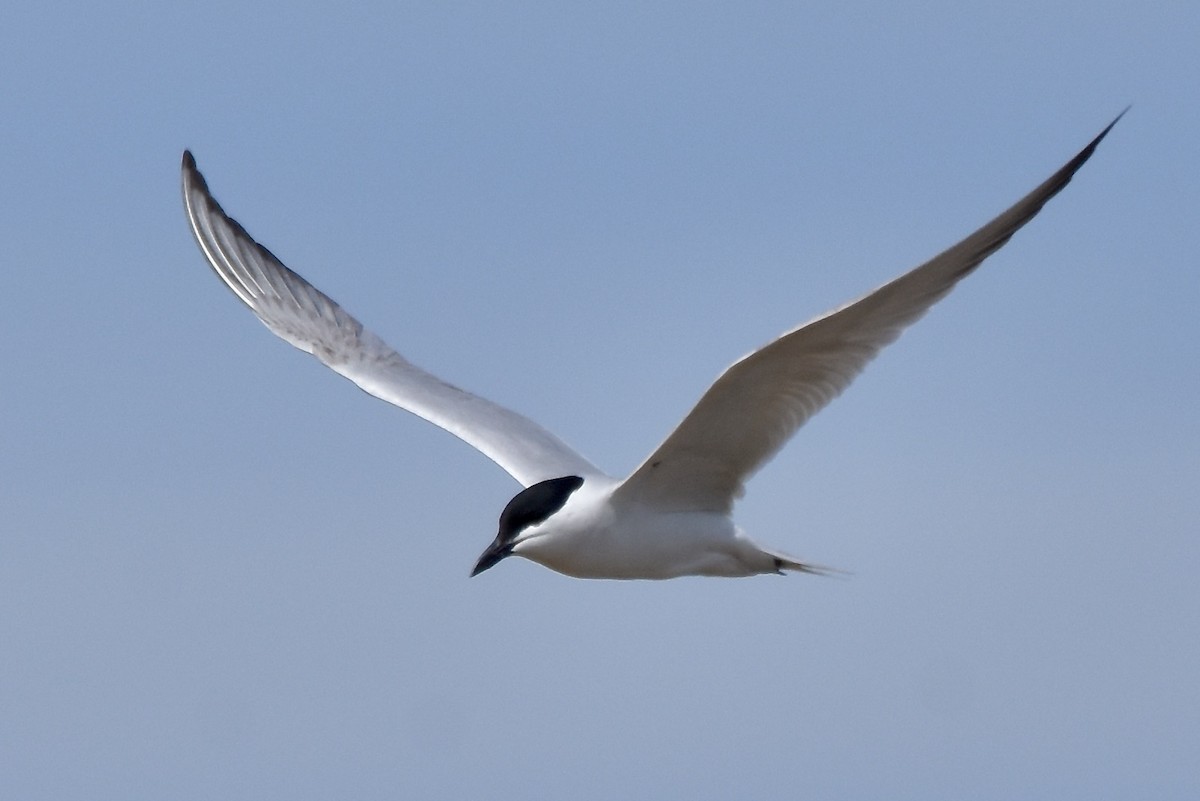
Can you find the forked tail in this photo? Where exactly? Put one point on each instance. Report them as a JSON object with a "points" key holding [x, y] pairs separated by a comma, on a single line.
{"points": [[786, 563]]}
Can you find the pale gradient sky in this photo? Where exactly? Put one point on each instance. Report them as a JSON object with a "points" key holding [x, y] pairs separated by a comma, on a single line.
{"points": [[226, 573]]}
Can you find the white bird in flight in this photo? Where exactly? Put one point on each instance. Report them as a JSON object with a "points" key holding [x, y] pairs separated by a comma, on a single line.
{"points": [[672, 515]]}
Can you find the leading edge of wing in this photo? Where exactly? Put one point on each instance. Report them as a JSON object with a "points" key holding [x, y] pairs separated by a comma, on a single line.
{"points": [[759, 402], [305, 317]]}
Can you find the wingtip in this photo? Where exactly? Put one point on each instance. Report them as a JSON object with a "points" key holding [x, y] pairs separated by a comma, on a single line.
{"points": [[1064, 175], [1116, 119], [192, 179], [1087, 151]]}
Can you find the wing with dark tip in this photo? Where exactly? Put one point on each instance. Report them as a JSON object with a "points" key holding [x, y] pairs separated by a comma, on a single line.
{"points": [[302, 315], [747, 415]]}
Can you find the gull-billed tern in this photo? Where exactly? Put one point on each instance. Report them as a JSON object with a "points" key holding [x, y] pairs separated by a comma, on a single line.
{"points": [[672, 515]]}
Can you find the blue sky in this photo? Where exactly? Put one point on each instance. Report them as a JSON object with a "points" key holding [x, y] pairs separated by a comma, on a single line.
{"points": [[226, 573]]}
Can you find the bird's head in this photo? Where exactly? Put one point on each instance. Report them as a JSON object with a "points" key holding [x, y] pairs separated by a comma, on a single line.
{"points": [[531, 506]]}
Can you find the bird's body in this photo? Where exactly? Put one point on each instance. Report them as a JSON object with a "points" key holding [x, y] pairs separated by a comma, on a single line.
{"points": [[673, 515], [596, 536]]}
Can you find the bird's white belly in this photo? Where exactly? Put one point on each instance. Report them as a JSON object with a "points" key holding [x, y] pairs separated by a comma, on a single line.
{"points": [[639, 544]]}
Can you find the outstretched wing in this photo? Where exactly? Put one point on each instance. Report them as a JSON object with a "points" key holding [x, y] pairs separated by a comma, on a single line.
{"points": [[747, 415], [302, 315]]}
